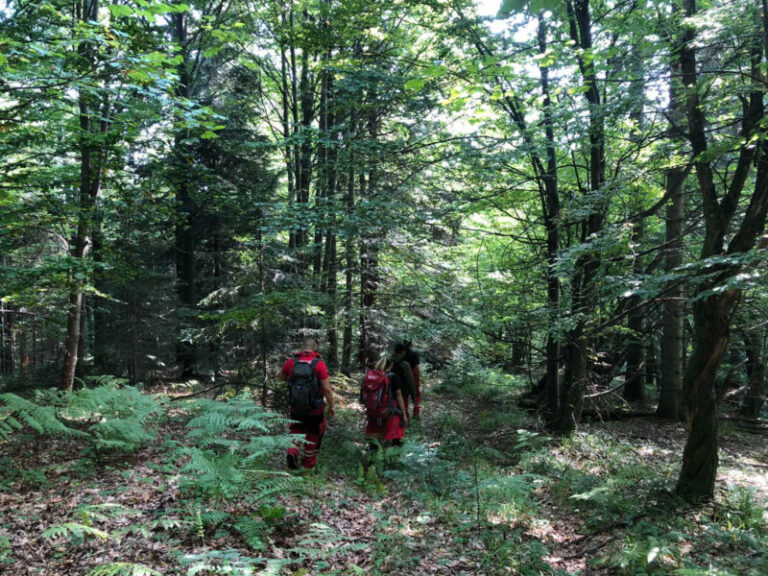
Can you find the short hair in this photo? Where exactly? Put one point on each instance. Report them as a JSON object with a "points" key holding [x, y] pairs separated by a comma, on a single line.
{"points": [[399, 347], [309, 343]]}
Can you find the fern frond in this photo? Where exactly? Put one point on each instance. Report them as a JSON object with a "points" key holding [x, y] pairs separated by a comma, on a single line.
{"points": [[17, 412], [120, 417], [105, 511], [322, 541], [251, 529], [69, 529]]}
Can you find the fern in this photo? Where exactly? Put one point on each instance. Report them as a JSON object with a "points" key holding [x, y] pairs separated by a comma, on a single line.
{"points": [[238, 415], [231, 563], [251, 529], [120, 417], [104, 512], [123, 569], [232, 442], [322, 541], [228, 462], [17, 413], [116, 418], [74, 530]]}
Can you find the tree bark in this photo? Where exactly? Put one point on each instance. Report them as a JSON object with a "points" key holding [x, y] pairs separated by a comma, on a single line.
{"points": [[713, 310], [635, 377], [551, 211], [712, 319], [586, 269], [673, 321], [349, 258], [185, 206], [91, 162]]}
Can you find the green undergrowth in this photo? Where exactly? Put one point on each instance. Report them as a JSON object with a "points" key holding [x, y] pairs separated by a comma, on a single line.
{"points": [[503, 504], [214, 467], [474, 490]]}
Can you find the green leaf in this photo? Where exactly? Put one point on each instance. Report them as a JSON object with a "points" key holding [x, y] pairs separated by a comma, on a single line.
{"points": [[118, 10], [415, 84]]}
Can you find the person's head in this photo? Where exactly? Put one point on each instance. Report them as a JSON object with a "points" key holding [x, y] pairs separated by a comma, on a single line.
{"points": [[400, 349], [309, 344], [384, 364]]}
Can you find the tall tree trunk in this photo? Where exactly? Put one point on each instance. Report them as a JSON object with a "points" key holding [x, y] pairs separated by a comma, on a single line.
{"points": [[289, 123], [673, 321], [305, 147], [367, 288], [635, 377], [7, 365], [185, 206], [91, 161], [349, 259], [330, 266], [551, 211], [322, 188], [712, 311], [712, 320], [586, 270]]}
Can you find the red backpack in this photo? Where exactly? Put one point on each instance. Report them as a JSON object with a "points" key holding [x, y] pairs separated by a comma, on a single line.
{"points": [[375, 395]]}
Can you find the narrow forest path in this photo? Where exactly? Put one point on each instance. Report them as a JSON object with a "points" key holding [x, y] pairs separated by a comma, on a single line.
{"points": [[477, 490]]}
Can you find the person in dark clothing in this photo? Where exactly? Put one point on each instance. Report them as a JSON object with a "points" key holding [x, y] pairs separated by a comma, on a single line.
{"points": [[412, 357], [403, 370]]}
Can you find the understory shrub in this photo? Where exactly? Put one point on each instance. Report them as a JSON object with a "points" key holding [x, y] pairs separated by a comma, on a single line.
{"points": [[110, 417]]}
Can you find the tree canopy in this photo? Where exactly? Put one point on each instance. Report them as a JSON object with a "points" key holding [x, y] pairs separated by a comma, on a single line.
{"points": [[565, 199]]}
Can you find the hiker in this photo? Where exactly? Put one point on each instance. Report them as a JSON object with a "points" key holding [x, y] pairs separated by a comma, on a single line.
{"points": [[382, 397], [309, 390], [403, 370], [412, 357]]}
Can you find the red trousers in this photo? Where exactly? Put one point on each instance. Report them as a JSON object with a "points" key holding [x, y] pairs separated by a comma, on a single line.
{"points": [[391, 428], [312, 428], [417, 400]]}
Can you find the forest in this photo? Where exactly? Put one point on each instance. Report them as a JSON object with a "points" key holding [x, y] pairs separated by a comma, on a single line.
{"points": [[556, 209]]}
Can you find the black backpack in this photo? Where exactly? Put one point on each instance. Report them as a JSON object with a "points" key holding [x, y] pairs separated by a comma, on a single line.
{"points": [[304, 388]]}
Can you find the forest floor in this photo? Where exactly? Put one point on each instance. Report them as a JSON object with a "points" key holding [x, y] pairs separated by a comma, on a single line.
{"points": [[474, 491]]}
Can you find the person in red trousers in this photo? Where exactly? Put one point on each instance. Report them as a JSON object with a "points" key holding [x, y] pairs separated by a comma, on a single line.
{"points": [[309, 390]]}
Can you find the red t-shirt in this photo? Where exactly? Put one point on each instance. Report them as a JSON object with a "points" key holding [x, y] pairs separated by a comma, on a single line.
{"points": [[320, 370]]}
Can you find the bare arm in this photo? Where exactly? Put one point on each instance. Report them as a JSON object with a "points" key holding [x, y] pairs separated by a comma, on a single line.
{"points": [[401, 405], [328, 394]]}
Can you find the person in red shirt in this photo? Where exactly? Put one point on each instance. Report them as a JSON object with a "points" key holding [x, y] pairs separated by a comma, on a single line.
{"points": [[391, 429], [311, 424]]}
